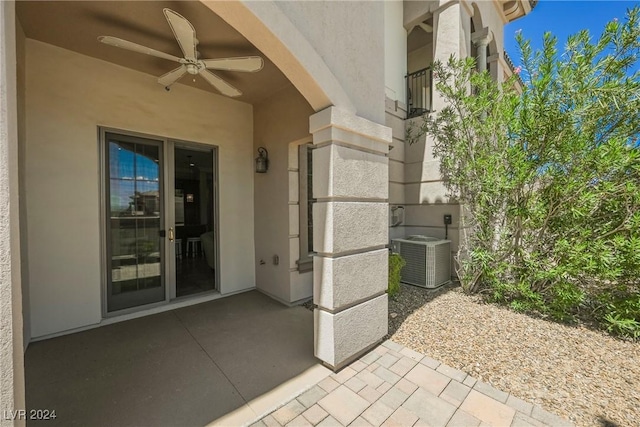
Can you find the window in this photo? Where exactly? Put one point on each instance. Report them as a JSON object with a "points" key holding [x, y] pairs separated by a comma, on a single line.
{"points": [[305, 171]]}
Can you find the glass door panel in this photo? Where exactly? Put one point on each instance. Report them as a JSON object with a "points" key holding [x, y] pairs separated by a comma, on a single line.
{"points": [[193, 208], [134, 222]]}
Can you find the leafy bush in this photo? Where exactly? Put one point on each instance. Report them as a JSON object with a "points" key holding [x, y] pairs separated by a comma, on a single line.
{"points": [[396, 263], [548, 177], [620, 314]]}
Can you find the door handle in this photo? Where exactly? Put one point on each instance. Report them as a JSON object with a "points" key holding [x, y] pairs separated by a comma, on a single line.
{"points": [[171, 234]]}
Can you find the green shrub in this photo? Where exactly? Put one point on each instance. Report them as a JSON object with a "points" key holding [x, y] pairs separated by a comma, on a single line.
{"points": [[396, 263], [548, 175], [565, 299], [519, 297], [620, 314]]}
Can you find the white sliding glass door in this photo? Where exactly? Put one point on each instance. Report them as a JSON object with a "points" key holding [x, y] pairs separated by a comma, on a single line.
{"points": [[160, 228]]}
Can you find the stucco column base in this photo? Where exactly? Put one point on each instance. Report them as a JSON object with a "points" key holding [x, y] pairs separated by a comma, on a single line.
{"points": [[350, 234], [344, 336]]}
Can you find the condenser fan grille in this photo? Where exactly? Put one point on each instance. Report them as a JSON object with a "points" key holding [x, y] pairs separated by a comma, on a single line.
{"points": [[414, 272]]}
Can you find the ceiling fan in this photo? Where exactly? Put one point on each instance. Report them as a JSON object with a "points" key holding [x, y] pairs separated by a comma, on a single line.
{"points": [[185, 34]]}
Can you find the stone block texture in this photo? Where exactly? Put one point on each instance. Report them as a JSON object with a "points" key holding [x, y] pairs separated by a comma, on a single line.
{"points": [[350, 230], [349, 226], [347, 333], [340, 171], [340, 282]]}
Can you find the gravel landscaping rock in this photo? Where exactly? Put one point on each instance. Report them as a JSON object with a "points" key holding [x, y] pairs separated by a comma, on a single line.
{"points": [[583, 375]]}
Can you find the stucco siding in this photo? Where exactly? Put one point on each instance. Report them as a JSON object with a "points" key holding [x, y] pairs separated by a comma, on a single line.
{"points": [[21, 66], [395, 47], [279, 121], [64, 107], [349, 36], [11, 326]]}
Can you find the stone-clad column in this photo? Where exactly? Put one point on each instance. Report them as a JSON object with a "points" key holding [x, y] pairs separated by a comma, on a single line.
{"points": [[350, 232]]}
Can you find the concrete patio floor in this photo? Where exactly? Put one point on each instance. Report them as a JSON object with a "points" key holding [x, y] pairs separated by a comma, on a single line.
{"points": [[185, 367]]}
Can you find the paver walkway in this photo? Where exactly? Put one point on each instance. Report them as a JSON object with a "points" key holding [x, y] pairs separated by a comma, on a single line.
{"points": [[396, 386]]}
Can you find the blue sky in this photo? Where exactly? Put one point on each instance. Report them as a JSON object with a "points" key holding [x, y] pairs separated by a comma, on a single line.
{"points": [[563, 18]]}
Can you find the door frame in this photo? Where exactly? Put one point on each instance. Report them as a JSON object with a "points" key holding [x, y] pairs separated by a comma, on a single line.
{"points": [[167, 146], [171, 144]]}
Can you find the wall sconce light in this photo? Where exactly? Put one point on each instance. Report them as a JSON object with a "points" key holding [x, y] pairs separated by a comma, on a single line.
{"points": [[262, 161]]}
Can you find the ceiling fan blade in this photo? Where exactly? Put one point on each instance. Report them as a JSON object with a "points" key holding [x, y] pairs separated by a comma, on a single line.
{"points": [[172, 76], [222, 86], [247, 63], [184, 33], [124, 44]]}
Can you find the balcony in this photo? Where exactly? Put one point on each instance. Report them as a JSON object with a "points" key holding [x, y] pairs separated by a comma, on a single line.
{"points": [[419, 89]]}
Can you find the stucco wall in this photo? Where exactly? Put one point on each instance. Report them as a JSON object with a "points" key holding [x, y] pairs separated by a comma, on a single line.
{"points": [[11, 342], [349, 36], [68, 97], [278, 121], [395, 113], [416, 10], [420, 58], [395, 47], [22, 131]]}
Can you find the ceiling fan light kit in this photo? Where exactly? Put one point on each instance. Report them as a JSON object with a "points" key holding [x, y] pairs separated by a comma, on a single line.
{"points": [[185, 35]]}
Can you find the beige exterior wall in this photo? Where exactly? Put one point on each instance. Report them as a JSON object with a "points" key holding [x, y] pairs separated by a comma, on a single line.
{"points": [[349, 37], [11, 326], [419, 58], [269, 29], [395, 47], [64, 107], [279, 123], [395, 114], [21, 67]]}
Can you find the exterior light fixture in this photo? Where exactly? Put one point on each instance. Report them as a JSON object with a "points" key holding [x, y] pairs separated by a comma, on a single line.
{"points": [[262, 161]]}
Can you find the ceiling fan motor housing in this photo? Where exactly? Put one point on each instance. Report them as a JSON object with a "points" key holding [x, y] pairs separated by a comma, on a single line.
{"points": [[192, 69]]}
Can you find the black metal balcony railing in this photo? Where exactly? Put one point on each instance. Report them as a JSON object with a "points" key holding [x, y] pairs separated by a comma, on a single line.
{"points": [[419, 85]]}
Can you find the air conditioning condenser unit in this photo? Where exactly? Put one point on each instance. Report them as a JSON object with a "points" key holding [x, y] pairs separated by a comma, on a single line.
{"points": [[428, 260]]}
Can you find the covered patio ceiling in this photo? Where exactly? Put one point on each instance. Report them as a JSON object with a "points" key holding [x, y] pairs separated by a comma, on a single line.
{"points": [[76, 25]]}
